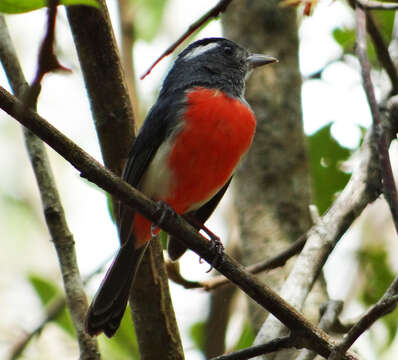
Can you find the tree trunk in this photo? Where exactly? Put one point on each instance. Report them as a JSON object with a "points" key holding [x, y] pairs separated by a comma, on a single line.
{"points": [[272, 185]]}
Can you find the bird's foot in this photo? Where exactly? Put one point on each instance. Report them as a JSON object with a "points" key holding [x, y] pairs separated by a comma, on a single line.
{"points": [[165, 210]]}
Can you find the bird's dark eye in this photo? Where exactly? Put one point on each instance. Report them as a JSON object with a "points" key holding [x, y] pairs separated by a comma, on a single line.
{"points": [[228, 50]]}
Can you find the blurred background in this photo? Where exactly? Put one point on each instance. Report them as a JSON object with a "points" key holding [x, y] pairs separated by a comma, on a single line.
{"points": [[335, 117]]}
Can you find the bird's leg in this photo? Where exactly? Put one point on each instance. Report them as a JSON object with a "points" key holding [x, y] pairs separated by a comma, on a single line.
{"points": [[165, 210], [215, 240]]}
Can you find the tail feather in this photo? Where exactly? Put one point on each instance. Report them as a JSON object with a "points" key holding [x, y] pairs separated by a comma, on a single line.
{"points": [[108, 306]]}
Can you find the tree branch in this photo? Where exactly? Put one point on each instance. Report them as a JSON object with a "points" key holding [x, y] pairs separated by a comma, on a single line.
{"points": [[387, 303], [47, 61], [362, 188], [114, 121], [389, 189], [52, 310], [382, 52], [389, 300], [53, 210], [271, 346], [220, 280], [175, 225], [377, 5], [220, 7]]}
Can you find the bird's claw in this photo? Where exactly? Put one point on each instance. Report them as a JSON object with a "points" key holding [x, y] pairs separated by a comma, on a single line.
{"points": [[218, 248], [165, 210]]}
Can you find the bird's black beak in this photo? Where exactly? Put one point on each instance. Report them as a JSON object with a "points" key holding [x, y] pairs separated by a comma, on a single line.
{"points": [[256, 60]]}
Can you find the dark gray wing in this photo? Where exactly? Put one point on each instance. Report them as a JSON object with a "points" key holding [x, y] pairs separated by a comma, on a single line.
{"points": [[158, 124]]}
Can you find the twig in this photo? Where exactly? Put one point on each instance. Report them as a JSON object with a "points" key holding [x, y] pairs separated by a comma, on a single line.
{"points": [[329, 317], [47, 61], [389, 189], [389, 300], [385, 305], [272, 346], [52, 311], [175, 225], [114, 121], [53, 210], [382, 52], [220, 280], [220, 7], [377, 5]]}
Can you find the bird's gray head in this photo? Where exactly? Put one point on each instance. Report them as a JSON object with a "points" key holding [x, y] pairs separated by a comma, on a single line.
{"points": [[216, 63]]}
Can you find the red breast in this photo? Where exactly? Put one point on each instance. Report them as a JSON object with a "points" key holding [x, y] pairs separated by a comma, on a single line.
{"points": [[217, 131]]}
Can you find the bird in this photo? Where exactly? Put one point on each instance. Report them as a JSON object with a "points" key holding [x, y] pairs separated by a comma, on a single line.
{"points": [[184, 156]]}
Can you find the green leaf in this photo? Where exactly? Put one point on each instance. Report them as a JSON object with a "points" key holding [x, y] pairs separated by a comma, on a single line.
{"points": [[149, 16], [384, 21], [246, 337], [109, 204], [197, 333], [345, 38], [163, 239], [45, 289], [376, 269], [22, 6], [326, 155]]}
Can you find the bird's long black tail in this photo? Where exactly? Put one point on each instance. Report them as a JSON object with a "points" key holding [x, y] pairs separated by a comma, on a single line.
{"points": [[108, 306]]}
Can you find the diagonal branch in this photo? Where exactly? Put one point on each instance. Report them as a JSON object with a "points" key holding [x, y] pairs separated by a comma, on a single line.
{"points": [[47, 61], [269, 347], [312, 337], [389, 189], [377, 5], [382, 52], [220, 280]]}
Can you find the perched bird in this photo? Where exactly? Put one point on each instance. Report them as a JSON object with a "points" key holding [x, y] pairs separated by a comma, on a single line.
{"points": [[184, 155]]}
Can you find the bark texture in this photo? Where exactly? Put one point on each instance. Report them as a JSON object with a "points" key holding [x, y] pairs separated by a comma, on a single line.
{"points": [[114, 120], [272, 185]]}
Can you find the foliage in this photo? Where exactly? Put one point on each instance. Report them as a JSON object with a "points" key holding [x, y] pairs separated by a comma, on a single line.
{"points": [[22, 6], [197, 334], [149, 17], [378, 275], [246, 337], [345, 37], [123, 345], [326, 155]]}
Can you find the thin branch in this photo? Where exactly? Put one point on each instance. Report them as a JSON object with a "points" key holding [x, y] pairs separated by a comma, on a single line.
{"points": [[52, 311], [219, 8], [47, 61], [271, 346], [53, 210], [220, 280], [175, 225], [329, 318], [389, 189], [387, 303], [389, 300], [377, 5], [382, 52]]}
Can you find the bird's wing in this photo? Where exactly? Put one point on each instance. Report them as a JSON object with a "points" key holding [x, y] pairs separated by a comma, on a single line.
{"points": [[176, 248], [160, 122]]}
